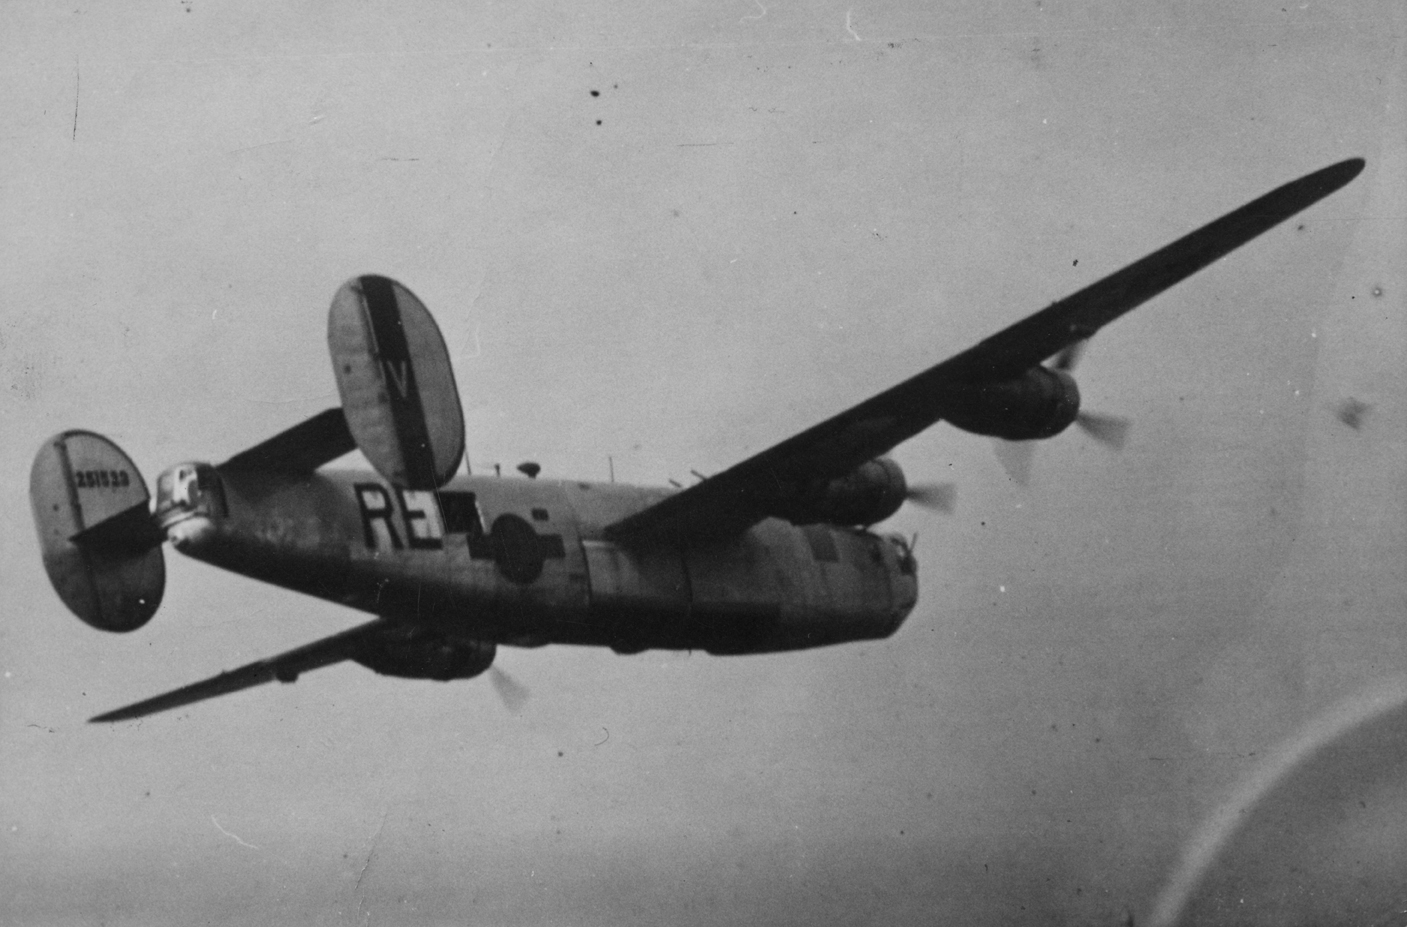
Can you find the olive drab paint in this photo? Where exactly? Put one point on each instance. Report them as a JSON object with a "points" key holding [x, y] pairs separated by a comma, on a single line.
{"points": [[397, 386], [523, 562]]}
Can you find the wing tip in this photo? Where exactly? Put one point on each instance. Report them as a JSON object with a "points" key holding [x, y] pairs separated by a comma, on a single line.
{"points": [[1355, 165], [111, 717], [1338, 175]]}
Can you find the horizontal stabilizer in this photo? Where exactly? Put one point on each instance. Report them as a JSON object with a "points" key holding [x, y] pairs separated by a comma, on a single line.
{"points": [[301, 449], [397, 386], [285, 667], [130, 533]]}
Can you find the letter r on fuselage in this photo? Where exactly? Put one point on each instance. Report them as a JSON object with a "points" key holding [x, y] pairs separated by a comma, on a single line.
{"points": [[376, 509]]}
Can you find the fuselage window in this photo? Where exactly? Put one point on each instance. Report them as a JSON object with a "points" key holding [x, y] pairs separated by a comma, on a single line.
{"points": [[461, 514]]}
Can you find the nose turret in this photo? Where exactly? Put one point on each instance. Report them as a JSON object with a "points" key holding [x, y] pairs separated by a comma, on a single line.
{"points": [[903, 579]]}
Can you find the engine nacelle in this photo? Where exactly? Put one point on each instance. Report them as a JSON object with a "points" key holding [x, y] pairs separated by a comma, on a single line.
{"points": [[1040, 403], [870, 493], [415, 654]]}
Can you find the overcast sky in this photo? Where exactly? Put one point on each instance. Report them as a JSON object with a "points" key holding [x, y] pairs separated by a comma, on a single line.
{"points": [[674, 234]]}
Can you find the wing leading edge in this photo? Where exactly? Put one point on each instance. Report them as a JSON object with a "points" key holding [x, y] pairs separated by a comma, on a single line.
{"points": [[753, 489]]}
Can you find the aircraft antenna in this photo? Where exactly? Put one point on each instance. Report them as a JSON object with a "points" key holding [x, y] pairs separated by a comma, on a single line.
{"points": [[610, 462]]}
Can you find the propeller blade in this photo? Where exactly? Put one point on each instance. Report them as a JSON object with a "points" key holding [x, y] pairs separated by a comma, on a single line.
{"points": [[941, 497], [1106, 429], [513, 693], [1015, 458], [1070, 356]]}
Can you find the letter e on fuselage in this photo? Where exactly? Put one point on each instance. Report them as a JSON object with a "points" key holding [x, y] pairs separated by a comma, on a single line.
{"points": [[419, 518]]}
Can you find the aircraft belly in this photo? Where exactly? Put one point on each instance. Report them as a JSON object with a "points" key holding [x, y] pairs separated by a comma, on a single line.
{"points": [[742, 589], [639, 598], [508, 561], [843, 580], [762, 591], [523, 568], [349, 538]]}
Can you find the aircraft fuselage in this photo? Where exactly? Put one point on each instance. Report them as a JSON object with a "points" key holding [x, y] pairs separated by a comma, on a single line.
{"points": [[523, 562]]}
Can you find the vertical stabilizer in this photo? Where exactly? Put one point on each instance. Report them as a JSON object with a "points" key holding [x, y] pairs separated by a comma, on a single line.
{"points": [[393, 373], [99, 547]]}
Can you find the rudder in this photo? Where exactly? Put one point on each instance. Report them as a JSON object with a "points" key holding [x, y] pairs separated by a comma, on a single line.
{"points": [[99, 548], [396, 382]]}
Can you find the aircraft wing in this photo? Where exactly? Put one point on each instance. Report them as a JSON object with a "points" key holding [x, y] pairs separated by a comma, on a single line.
{"points": [[749, 491], [285, 667]]}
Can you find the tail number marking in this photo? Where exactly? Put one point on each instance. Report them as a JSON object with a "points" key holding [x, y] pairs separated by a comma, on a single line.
{"points": [[101, 479]]}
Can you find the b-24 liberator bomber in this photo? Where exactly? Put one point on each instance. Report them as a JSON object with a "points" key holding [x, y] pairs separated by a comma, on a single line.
{"points": [[773, 554]]}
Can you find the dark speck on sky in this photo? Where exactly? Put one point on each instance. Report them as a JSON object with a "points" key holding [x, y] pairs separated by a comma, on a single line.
{"points": [[1351, 412]]}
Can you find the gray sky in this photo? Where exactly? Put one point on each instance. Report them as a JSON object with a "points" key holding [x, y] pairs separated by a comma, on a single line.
{"points": [[769, 212]]}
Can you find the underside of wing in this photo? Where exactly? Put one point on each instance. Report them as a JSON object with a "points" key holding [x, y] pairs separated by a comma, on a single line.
{"points": [[285, 667], [762, 485]]}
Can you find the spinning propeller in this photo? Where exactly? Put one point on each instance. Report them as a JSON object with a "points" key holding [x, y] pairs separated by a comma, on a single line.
{"points": [[1109, 430], [512, 692], [1017, 457], [938, 497]]}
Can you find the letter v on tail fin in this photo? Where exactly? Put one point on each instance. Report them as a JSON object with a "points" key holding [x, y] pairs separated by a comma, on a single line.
{"points": [[397, 386]]}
